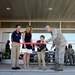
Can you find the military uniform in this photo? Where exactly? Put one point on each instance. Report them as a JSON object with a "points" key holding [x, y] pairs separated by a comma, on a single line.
{"points": [[71, 55], [66, 56], [60, 43]]}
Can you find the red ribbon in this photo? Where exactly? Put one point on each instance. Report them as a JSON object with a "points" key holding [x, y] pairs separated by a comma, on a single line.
{"points": [[27, 43], [22, 42], [2, 42]]}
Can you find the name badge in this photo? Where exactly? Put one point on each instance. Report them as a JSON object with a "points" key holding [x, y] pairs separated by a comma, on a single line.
{"points": [[16, 34]]}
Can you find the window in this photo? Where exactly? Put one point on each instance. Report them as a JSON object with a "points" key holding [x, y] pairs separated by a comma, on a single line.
{"points": [[36, 36]]}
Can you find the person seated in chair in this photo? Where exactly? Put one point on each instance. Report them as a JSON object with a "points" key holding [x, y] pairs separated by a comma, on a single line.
{"points": [[70, 54], [7, 49]]}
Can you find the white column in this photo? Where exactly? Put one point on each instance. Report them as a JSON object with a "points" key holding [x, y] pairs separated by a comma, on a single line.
{"points": [[60, 26], [29, 23], [0, 39]]}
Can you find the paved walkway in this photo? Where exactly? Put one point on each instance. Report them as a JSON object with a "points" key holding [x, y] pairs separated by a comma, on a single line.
{"points": [[5, 69]]}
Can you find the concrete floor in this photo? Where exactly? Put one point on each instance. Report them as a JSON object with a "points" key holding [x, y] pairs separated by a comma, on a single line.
{"points": [[5, 69]]}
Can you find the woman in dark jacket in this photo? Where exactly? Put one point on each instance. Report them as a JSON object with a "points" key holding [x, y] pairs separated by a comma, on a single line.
{"points": [[27, 37]]}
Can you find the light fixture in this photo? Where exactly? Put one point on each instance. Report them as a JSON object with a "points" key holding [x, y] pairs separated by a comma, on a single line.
{"points": [[50, 8], [8, 8]]}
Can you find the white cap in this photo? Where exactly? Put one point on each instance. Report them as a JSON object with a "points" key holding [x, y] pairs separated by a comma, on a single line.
{"points": [[47, 27]]}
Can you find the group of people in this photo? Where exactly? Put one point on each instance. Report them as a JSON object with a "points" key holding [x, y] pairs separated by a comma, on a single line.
{"points": [[58, 39]]}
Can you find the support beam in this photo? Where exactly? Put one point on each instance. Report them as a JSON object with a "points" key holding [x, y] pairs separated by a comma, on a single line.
{"points": [[29, 23], [60, 26], [68, 21], [0, 39], [22, 30], [0, 24]]}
